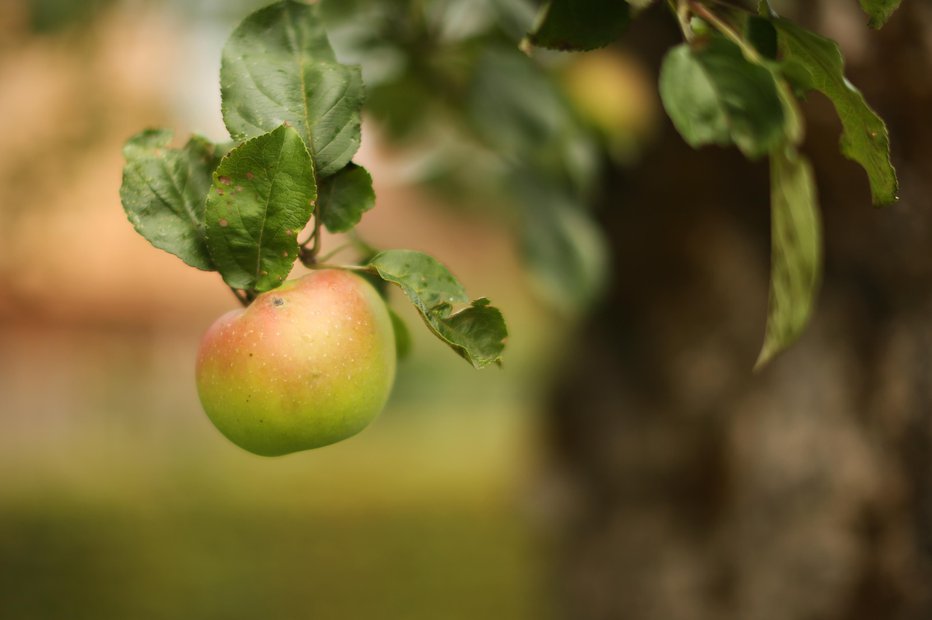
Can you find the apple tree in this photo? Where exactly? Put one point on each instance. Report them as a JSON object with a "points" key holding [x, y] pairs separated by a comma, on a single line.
{"points": [[698, 474], [240, 208]]}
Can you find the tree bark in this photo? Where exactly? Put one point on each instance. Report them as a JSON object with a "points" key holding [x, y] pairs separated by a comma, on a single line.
{"points": [[696, 489]]}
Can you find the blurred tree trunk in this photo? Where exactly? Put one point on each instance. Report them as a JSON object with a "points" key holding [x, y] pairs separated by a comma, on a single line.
{"points": [[695, 489]]}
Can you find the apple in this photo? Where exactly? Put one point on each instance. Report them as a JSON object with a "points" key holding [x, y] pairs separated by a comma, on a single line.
{"points": [[305, 365]]}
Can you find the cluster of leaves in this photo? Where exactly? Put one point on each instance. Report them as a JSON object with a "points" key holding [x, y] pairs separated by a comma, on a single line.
{"points": [[486, 126], [293, 113], [736, 81]]}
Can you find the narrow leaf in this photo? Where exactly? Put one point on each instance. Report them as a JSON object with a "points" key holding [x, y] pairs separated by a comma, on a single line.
{"points": [[263, 194], [344, 197], [476, 333], [796, 249], [278, 67], [879, 11], [163, 193], [714, 95], [580, 24], [812, 62]]}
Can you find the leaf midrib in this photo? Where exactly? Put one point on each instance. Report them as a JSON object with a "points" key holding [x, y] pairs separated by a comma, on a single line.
{"points": [[299, 59], [265, 212]]}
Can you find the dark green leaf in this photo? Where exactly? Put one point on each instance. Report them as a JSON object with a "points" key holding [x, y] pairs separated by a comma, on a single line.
{"points": [[581, 24], [714, 95], [278, 67], [476, 333], [796, 249], [812, 62], [402, 335], [262, 196], [344, 197], [761, 33], [879, 10], [163, 193]]}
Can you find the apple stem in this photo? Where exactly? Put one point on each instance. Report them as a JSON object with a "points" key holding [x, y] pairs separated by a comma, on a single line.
{"points": [[343, 267], [360, 244], [308, 255], [334, 252], [244, 297], [315, 248]]}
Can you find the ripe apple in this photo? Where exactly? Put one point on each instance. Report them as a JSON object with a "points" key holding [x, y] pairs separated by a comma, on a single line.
{"points": [[305, 365]]}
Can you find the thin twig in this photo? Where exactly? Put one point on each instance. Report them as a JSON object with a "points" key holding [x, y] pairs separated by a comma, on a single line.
{"points": [[344, 267], [702, 11], [334, 252], [240, 296]]}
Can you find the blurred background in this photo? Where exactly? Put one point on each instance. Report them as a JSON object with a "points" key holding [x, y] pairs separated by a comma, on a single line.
{"points": [[625, 463]]}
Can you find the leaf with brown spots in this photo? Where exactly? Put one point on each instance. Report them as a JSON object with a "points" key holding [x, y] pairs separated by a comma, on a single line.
{"points": [[263, 191]]}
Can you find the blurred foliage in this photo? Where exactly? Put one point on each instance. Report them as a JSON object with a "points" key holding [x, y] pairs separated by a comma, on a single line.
{"points": [[487, 126], [53, 15], [120, 500], [207, 564]]}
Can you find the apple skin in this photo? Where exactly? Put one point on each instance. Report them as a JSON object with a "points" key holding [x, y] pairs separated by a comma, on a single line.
{"points": [[305, 365]]}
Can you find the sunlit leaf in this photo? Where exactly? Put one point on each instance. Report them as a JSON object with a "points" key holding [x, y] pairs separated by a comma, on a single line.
{"points": [[263, 194], [278, 67], [879, 11], [476, 333], [425, 281]]}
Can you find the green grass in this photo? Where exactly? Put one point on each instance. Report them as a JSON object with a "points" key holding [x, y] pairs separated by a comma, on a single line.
{"points": [[209, 563], [119, 500]]}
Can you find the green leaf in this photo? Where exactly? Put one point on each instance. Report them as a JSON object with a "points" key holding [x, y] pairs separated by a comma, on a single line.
{"points": [[564, 251], [163, 193], [796, 249], [762, 35], [879, 11], [425, 281], [476, 333], [714, 95], [402, 335], [580, 24], [263, 194], [812, 62], [344, 197], [523, 116], [278, 67]]}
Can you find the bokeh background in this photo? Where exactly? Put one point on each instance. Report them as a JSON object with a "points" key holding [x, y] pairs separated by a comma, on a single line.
{"points": [[118, 499], [625, 463]]}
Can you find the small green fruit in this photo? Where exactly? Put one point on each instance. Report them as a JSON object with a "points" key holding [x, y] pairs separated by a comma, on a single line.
{"points": [[307, 364]]}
